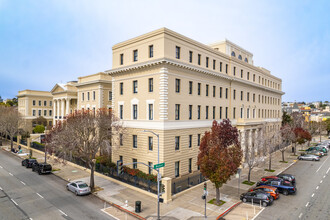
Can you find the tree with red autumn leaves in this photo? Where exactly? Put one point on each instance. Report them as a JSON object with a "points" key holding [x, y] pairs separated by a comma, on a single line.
{"points": [[220, 154], [301, 136]]}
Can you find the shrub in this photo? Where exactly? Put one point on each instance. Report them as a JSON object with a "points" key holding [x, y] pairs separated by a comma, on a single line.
{"points": [[39, 129]]}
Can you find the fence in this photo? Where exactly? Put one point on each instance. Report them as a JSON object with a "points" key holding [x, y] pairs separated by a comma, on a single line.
{"points": [[38, 146], [183, 184]]}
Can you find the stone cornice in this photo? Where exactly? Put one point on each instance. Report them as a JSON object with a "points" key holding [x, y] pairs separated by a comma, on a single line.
{"points": [[93, 82]]}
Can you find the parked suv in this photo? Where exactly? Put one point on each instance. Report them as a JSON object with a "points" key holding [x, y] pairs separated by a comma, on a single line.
{"points": [[257, 197], [42, 168], [29, 162]]}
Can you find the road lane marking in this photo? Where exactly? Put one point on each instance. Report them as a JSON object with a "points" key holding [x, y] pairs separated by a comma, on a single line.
{"points": [[317, 187], [300, 215], [23, 183], [40, 195], [11, 174], [307, 204], [62, 212], [328, 170], [321, 181], [323, 176], [263, 208], [321, 165], [0, 188], [313, 195], [1, 167], [14, 202]]}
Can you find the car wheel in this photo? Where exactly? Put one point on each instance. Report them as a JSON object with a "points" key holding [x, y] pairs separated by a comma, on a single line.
{"points": [[313, 159], [285, 192], [76, 193], [22, 164], [244, 200], [67, 188], [264, 204], [39, 172]]}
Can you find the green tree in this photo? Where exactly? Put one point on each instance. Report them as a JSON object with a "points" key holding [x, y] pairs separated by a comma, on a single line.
{"points": [[286, 118], [39, 129], [220, 154]]}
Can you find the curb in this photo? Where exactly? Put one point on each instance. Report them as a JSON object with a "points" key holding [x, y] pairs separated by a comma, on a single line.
{"points": [[228, 210]]}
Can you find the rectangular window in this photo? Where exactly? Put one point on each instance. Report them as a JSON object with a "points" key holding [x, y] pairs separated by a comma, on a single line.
{"points": [[220, 112], [248, 113], [226, 93], [121, 111], [151, 111], [50, 103], [121, 88], [134, 163], [39, 113], [45, 112], [135, 55], [34, 102], [226, 68], [199, 89], [207, 112], [135, 112], [121, 59], [248, 76], [234, 94], [213, 112], [220, 66], [226, 113], [234, 113], [88, 97], [50, 112], [134, 141], [177, 52], [93, 95], [254, 113], [198, 139], [39, 103], [248, 97], [177, 111], [254, 97], [33, 112], [214, 64], [254, 77], [177, 85], [213, 91], [207, 62], [190, 165], [199, 112], [234, 70], [207, 90], [177, 169], [135, 86], [190, 87], [177, 142], [150, 143], [199, 59], [121, 139], [150, 167], [241, 112], [151, 51], [83, 96], [190, 141], [190, 112], [190, 56], [151, 84], [45, 103], [110, 95], [241, 73], [220, 92], [241, 95]]}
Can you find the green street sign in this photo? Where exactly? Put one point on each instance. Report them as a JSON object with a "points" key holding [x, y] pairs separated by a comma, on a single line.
{"points": [[160, 165]]}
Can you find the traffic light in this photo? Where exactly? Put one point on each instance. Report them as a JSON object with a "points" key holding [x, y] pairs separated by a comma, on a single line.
{"points": [[203, 197], [205, 186], [161, 200], [120, 167]]}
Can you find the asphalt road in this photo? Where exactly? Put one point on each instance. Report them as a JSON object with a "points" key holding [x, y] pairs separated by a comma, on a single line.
{"points": [[312, 200], [26, 195]]}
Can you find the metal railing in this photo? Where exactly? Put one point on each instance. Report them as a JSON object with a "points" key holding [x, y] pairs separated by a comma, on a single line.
{"points": [[183, 184]]}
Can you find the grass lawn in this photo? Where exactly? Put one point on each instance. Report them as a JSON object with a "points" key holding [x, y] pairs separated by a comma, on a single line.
{"points": [[213, 201], [248, 183], [283, 161], [270, 170]]}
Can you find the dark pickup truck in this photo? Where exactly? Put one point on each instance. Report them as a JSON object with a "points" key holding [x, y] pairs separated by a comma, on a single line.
{"points": [[282, 186]]}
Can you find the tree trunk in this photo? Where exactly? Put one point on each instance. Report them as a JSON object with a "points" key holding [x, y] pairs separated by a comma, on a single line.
{"points": [[270, 162], [11, 143], [92, 185], [283, 155], [249, 175], [217, 195], [295, 146]]}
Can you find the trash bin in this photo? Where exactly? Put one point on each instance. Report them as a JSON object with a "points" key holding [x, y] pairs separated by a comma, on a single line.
{"points": [[292, 149], [137, 206]]}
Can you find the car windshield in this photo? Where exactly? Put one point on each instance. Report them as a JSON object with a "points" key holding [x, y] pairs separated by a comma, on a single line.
{"points": [[83, 185], [48, 166]]}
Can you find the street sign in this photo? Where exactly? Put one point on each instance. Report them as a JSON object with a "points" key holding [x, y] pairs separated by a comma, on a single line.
{"points": [[160, 165]]}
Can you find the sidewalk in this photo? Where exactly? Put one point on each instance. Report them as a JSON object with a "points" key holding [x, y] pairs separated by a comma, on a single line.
{"points": [[185, 207]]}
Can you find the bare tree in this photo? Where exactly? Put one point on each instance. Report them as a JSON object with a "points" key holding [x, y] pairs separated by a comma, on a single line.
{"points": [[85, 134], [287, 136], [272, 137], [2, 123], [10, 119]]}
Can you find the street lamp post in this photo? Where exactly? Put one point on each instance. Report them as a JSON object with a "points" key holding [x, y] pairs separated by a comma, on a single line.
{"points": [[158, 176]]}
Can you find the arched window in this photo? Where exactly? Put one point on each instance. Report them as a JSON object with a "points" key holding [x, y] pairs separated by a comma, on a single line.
{"points": [[240, 57], [246, 60], [233, 54]]}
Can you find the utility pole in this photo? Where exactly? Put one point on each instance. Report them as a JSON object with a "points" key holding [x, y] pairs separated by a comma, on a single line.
{"points": [[204, 197]]}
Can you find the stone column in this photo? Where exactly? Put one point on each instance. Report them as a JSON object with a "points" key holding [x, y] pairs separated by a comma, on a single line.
{"points": [[67, 106], [167, 196], [58, 108], [54, 111], [62, 107]]}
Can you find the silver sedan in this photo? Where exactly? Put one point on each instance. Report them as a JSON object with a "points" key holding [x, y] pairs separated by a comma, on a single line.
{"points": [[78, 188], [309, 157]]}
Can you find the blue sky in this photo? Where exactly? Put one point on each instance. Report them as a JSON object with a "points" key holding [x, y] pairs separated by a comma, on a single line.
{"points": [[46, 42]]}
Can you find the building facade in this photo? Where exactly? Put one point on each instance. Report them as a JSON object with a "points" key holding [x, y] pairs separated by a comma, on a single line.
{"points": [[34, 104], [175, 87]]}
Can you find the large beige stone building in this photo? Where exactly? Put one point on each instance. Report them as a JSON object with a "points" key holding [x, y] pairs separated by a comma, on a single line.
{"points": [[174, 86], [34, 104]]}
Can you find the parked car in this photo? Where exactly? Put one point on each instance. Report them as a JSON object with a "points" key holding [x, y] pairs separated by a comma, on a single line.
{"points": [[309, 157], [318, 148], [79, 188], [273, 191], [42, 168], [265, 178], [29, 162], [287, 177], [283, 186], [316, 153], [257, 197]]}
